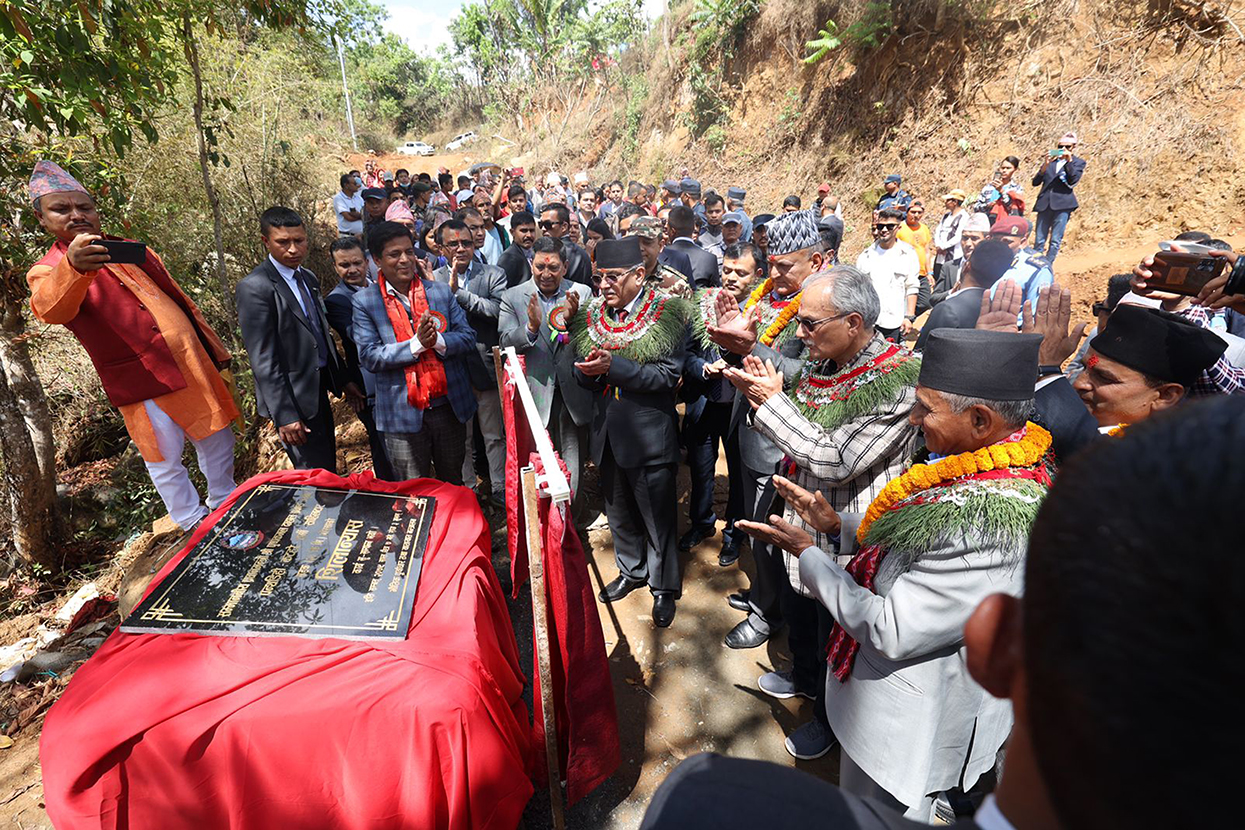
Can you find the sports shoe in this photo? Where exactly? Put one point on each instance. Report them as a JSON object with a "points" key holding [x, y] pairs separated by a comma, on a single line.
{"points": [[781, 684], [812, 740]]}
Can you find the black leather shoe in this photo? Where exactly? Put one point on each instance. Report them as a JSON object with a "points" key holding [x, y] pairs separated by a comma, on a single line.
{"points": [[663, 610], [739, 601], [694, 537], [619, 588], [729, 555], [745, 635]]}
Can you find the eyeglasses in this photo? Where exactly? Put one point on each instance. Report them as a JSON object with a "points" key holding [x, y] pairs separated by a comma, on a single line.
{"points": [[811, 325], [458, 243], [884, 226], [546, 226], [1066, 146]]}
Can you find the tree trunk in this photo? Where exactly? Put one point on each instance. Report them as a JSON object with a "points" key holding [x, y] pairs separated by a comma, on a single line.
{"points": [[191, 48], [26, 446]]}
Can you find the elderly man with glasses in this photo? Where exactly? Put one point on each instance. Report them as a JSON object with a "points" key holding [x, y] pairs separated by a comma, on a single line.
{"points": [[895, 271], [844, 426]]}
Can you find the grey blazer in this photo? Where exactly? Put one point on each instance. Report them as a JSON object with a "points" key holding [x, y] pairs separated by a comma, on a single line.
{"points": [[910, 715], [549, 364], [479, 294], [282, 347]]}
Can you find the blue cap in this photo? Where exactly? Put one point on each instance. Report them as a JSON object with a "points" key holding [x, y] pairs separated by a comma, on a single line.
{"points": [[733, 216], [894, 177], [671, 185], [736, 193], [374, 193], [690, 186]]}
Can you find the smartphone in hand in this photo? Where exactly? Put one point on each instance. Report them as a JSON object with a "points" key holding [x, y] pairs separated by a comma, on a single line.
{"points": [[133, 253]]}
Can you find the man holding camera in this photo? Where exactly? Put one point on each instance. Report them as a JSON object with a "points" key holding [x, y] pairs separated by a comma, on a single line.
{"points": [[1057, 176], [159, 361]]}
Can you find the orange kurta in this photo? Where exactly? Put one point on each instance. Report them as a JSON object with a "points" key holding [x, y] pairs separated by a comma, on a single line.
{"points": [[204, 406]]}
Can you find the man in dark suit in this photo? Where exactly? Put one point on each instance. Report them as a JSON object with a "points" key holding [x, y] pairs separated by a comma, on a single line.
{"points": [[990, 259], [555, 221], [1057, 176], [478, 288], [680, 227], [516, 261], [1082, 752], [634, 430], [528, 314], [414, 336], [350, 262], [286, 333]]}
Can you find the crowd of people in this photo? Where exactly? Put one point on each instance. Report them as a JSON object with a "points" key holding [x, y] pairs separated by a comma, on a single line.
{"points": [[884, 477]]}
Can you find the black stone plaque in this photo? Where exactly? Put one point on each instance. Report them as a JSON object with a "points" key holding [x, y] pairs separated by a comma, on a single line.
{"points": [[298, 560]]}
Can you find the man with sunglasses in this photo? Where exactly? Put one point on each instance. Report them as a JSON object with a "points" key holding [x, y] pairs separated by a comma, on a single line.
{"points": [[895, 270], [845, 428], [1059, 173], [555, 221]]}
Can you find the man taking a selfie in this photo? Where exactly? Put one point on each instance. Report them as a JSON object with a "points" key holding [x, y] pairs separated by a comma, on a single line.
{"points": [[159, 361]]}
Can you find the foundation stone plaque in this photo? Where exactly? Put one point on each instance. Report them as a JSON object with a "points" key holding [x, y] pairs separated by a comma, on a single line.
{"points": [[298, 560]]}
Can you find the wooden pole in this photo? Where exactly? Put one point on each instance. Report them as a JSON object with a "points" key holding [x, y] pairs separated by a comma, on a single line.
{"points": [[540, 622]]}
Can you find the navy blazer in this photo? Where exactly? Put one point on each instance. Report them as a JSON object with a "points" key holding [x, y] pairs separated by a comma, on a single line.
{"points": [[1061, 410], [339, 308], [676, 260], [381, 353], [1057, 189]]}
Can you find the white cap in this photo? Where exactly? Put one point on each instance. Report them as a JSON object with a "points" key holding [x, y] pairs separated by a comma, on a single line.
{"points": [[553, 179], [581, 177]]}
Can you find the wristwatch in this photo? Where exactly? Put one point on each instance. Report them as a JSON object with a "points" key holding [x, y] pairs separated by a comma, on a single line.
{"points": [[911, 318], [1049, 369]]}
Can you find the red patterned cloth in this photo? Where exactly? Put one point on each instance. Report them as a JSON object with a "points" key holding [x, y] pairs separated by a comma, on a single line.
{"points": [[254, 733], [519, 445], [842, 652]]}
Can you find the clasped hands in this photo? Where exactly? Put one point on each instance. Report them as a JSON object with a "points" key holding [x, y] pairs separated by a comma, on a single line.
{"points": [[735, 331], [595, 363], [758, 381], [811, 507]]}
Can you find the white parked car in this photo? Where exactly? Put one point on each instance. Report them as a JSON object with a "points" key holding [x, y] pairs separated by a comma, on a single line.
{"points": [[416, 148], [461, 140]]}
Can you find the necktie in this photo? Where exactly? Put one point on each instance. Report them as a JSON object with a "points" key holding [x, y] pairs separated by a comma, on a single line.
{"points": [[621, 314], [313, 317]]}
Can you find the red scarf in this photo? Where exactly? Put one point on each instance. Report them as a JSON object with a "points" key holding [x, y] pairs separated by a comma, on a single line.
{"points": [[425, 378]]}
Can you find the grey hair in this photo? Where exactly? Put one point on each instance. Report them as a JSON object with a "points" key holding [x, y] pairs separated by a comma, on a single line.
{"points": [[850, 290], [1015, 413]]}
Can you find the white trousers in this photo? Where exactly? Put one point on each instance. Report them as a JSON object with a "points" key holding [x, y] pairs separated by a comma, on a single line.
{"points": [[489, 416], [172, 482]]}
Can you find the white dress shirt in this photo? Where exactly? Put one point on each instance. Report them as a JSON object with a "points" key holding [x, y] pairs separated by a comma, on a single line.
{"points": [[417, 346], [291, 281], [895, 272]]}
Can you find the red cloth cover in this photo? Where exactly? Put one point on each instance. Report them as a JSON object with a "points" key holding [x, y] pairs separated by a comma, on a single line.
{"points": [[519, 445], [583, 696], [204, 732]]}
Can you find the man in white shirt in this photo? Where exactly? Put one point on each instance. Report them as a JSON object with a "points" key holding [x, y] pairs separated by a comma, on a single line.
{"points": [[895, 270], [348, 207]]}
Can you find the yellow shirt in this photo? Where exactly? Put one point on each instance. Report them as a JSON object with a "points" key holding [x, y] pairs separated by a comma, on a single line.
{"points": [[919, 239], [203, 407]]}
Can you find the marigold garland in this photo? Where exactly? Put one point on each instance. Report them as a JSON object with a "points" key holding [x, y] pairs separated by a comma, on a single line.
{"points": [[784, 317], [1025, 452], [1117, 430]]}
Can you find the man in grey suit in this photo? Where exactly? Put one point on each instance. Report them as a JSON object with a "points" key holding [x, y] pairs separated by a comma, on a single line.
{"points": [[797, 250], [524, 324], [911, 720], [706, 271], [293, 358], [478, 288]]}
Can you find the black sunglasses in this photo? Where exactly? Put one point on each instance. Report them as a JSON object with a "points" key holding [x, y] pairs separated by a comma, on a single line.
{"points": [[548, 225], [881, 226]]}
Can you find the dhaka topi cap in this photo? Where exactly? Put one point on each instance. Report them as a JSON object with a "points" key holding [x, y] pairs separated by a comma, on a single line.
{"points": [[691, 187], [978, 222], [648, 227], [736, 193], [581, 177], [553, 179], [994, 365], [619, 253], [1010, 226], [733, 216], [374, 193], [762, 219], [1159, 344], [894, 177], [50, 177], [793, 231], [399, 212]]}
